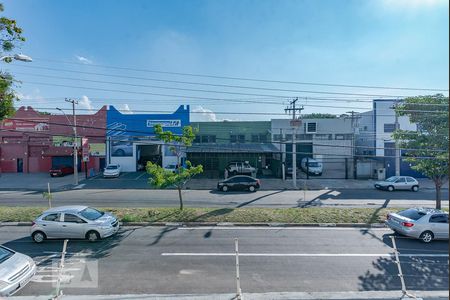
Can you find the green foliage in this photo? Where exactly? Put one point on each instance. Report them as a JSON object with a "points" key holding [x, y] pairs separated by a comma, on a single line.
{"points": [[319, 116], [428, 146], [162, 178], [10, 38], [48, 196]]}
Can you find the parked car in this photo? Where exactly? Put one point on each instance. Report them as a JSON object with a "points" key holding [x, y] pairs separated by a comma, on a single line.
{"points": [[61, 171], [425, 224], [112, 170], [312, 166], [398, 183], [74, 222], [16, 270], [172, 168], [239, 182], [289, 171], [240, 167]]}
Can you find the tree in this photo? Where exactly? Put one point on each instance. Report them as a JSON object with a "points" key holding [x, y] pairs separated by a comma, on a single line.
{"points": [[10, 38], [163, 178], [427, 148], [319, 116]]}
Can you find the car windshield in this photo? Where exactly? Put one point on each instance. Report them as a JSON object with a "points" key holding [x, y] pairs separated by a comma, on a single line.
{"points": [[5, 254], [313, 164], [412, 214], [111, 167], [392, 179], [171, 167], [91, 213]]}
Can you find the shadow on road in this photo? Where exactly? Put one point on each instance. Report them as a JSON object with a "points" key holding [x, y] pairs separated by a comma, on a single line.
{"points": [[419, 272]]}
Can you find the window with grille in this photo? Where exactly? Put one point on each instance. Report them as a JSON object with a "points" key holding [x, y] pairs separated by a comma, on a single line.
{"points": [[388, 127], [311, 127]]}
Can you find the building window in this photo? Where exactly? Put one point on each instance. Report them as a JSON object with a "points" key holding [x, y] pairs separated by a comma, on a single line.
{"points": [[303, 137], [288, 137], [365, 128], [237, 138], [311, 127], [277, 137], [197, 139], [323, 136], [208, 138], [259, 138], [389, 127], [339, 136]]}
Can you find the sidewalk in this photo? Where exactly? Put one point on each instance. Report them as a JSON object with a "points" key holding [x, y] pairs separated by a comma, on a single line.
{"points": [[36, 181], [385, 295]]}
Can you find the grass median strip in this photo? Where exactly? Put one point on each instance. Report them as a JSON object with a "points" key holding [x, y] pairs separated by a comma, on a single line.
{"points": [[231, 215]]}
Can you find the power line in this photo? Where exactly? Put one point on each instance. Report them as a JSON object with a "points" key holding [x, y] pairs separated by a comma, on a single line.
{"points": [[244, 78], [212, 91]]}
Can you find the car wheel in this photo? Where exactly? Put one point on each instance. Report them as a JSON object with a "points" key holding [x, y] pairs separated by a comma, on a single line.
{"points": [[426, 236], [415, 188], [92, 236], [38, 236], [390, 188], [251, 188], [224, 188], [234, 173]]}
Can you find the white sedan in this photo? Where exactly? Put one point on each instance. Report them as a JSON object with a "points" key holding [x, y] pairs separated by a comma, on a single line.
{"points": [[398, 183], [112, 170]]}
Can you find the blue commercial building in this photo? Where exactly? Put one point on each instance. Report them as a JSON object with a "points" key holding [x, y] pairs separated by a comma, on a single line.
{"points": [[131, 139]]}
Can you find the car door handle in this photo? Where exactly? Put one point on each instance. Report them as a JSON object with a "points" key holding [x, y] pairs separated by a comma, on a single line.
{"points": [[44, 225], [64, 226]]}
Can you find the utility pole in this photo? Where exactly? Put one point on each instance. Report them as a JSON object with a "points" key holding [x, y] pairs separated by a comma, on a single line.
{"points": [[397, 149], [283, 156], [75, 152], [354, 122], [295, 123]]}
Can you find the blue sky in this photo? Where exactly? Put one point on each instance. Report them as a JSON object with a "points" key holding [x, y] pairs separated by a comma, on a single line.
{"points": [[397, 43]]}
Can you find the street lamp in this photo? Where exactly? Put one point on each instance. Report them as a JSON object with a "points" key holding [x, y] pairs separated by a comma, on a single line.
{"points": [[20, 57], [75, 153]]}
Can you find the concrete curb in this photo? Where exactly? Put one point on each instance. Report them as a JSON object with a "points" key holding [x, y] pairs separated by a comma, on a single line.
{"points": [[379, 295], [222, 224]]}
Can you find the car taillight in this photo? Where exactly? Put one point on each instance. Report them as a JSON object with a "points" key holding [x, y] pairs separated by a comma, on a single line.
{"points": [[259, 182], [33, 223], [408, 224]]}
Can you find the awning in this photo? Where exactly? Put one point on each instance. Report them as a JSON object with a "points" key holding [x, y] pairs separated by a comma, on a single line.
{"points": [[232, 148]]}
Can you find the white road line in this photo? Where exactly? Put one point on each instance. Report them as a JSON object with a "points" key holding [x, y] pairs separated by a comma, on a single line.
{"points": [[231, 227], [140, 176], [305, 254]]}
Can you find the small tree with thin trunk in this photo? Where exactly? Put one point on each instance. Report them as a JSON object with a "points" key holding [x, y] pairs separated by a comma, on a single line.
{"points": [[427, 148], [163, 178]]}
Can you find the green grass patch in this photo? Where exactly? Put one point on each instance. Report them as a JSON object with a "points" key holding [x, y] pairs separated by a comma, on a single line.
{"points": [[234, 215]]}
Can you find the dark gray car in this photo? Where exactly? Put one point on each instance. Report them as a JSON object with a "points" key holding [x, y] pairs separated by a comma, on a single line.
{"points": [[239, 182]]}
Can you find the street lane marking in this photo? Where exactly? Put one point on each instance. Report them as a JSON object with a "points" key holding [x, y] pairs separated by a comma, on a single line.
{"points": [[305, 254], [140, 176]]}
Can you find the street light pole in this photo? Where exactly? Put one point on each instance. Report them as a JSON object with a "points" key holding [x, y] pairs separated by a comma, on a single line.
{"points": [[74, 127]]}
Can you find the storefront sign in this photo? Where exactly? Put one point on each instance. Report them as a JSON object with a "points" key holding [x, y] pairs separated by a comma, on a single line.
{"points": [[85, 149], [164, 123], [97, 149], [64, 141], [26, 125]]}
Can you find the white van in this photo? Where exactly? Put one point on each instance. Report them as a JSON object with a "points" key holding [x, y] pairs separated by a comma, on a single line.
{"points": [[314, 167]]}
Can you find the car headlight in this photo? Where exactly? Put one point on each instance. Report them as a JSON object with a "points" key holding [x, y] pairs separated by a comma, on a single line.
{"points": [[106, 227], [3, 284]]}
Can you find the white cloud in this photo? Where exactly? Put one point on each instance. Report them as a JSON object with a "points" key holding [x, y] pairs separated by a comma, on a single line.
{"points": [[31, 99], [84, 60], [125, 109], [203, 114], [86, 103]]}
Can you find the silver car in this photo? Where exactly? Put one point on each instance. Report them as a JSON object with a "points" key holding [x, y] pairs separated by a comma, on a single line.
{"points": [[421, 223], [16, 270], [398, 183], [74, 222]]}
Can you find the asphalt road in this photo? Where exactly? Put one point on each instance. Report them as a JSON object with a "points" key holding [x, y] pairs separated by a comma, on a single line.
{"points": [[205, 198], [162, 260]]}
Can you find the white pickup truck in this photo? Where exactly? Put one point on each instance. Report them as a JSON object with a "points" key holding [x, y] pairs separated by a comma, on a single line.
{"points": [[240, 167]]}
